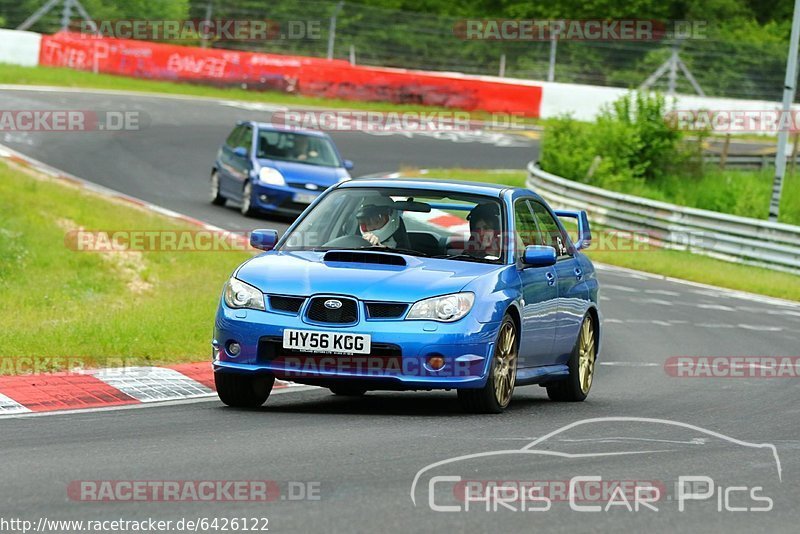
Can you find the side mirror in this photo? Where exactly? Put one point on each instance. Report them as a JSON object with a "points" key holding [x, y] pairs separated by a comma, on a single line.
{"points": [[584, 232], [240, 151], [539, 256], [348, 164], [263, 239]]}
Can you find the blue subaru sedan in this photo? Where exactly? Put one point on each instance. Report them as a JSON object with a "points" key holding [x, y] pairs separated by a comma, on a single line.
{"points": [[411, 284], [269, 169]]}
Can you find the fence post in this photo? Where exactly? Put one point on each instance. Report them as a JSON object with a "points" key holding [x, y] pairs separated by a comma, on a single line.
{"points": [[723, 158], [502, 72], [352, 54], [332, 29], [206, 23], [551, 70]]}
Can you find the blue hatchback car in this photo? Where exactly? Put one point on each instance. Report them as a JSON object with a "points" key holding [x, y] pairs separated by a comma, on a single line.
{"points": [[409, 284], [269, 169]]}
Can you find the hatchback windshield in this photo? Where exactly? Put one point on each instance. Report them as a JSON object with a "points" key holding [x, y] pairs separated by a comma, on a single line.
{"points": [[410, 221], [297, 147]]}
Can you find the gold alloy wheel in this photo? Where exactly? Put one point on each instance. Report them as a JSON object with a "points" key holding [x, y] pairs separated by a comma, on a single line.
{"points": [[505, 366], [586, 355]]}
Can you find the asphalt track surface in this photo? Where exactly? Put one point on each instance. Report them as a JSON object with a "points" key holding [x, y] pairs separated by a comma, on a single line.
{"points": [[364, 454]]}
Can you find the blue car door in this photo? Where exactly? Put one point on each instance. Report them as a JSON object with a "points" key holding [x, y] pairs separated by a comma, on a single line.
{"points": [[240, 163], [539, 292], [225, 160], [572, 292]]}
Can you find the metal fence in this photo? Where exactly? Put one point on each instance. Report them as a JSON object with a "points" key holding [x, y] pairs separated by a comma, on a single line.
{"points": [[737, 239], [373, 35]]}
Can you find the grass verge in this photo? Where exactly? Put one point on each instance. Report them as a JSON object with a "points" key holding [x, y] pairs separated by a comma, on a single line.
{"points": [[674, 263], [93, 307]]}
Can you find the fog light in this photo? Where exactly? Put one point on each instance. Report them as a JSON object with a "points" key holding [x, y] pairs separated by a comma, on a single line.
{"points": [[263, 198], [435, 362], [234, 348]]}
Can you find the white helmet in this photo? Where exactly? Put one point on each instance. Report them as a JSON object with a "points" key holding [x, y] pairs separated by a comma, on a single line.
{"points": [[379, 207]]}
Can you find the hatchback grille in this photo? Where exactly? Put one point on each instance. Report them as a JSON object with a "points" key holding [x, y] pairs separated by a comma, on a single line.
{"points": [[345, 314], [286, 304], [386, 310]]}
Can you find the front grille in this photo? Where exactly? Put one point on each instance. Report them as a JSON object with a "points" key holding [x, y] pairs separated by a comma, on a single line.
{"points": [[346, 314], [270, 349], [286, 304], [386, 310]]}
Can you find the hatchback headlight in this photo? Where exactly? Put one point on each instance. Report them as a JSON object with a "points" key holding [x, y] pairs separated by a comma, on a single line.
{"points": [[237, 294], [271, 176], [447, 308]]}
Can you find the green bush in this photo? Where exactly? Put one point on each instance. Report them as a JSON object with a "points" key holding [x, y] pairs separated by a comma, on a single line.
{"points": [[633, 149], [631, 141]]}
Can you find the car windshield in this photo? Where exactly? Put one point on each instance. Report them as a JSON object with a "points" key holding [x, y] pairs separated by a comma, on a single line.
{"points": [[297, 147], [428, 223]]}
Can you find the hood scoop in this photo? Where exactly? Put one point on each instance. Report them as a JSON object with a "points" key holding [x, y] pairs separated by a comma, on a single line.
{"points": [[355, 256]]}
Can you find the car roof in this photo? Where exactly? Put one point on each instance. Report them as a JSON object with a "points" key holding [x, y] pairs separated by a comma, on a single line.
{"points": [[456, 186], [277, 128]]}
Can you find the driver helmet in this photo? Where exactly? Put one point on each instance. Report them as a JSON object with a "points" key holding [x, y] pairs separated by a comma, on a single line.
{"points": [[378, 216]]}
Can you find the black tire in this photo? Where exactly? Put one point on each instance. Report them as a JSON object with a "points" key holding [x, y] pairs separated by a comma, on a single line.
{"points": [[496, 395], [348, 391], [575, 387], [216, 197], [243, 391], [247, 208]]}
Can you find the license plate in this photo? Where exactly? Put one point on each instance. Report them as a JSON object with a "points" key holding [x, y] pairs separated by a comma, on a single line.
{"points": [[304, 198], [326, 341]]}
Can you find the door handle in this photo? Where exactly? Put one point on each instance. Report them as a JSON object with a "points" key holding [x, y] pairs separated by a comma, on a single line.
{"points": [[551, 279], [578, 273]]}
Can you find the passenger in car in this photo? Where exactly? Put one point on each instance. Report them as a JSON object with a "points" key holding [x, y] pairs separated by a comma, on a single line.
{"points": [[485, 231]]}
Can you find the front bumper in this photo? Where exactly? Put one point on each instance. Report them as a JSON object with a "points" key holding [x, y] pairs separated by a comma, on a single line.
{"points": [[282, 199], [398, 359]]}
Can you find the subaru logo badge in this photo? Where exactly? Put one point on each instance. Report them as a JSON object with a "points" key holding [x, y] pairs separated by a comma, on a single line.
{"points": [[333, 304]]}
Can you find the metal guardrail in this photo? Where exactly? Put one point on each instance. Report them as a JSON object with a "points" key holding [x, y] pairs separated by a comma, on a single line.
{"points": [[749, 161], [737, 239]]}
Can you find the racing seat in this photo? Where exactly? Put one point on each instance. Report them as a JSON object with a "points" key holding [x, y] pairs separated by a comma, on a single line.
{"points": [[424, 242]]}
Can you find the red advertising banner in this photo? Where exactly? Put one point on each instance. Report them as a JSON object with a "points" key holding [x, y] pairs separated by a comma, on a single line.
{"points": [[292, 74]]}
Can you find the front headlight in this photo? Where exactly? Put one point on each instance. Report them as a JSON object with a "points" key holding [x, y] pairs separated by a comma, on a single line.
{"points": [[446, 309], [237, 294], [271, 176]]}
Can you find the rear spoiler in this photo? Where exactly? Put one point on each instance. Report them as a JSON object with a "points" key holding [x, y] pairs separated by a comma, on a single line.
{"points": [[584, 232]]}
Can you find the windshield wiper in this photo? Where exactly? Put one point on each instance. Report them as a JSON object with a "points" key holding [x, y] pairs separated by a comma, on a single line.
{"points": [[466, 257]]}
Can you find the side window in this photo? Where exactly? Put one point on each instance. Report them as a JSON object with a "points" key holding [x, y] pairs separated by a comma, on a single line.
{"points": [[526, 233], [234, 136], [245, 140], [550, 232]]}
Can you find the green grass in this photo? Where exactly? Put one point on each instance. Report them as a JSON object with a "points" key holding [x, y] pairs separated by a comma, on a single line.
{"points": [[137, 307], [744, 193], [677, 264]]}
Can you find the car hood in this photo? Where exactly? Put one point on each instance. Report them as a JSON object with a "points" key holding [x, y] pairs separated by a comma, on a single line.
{"points": [[305, 273], [305, 173]]}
